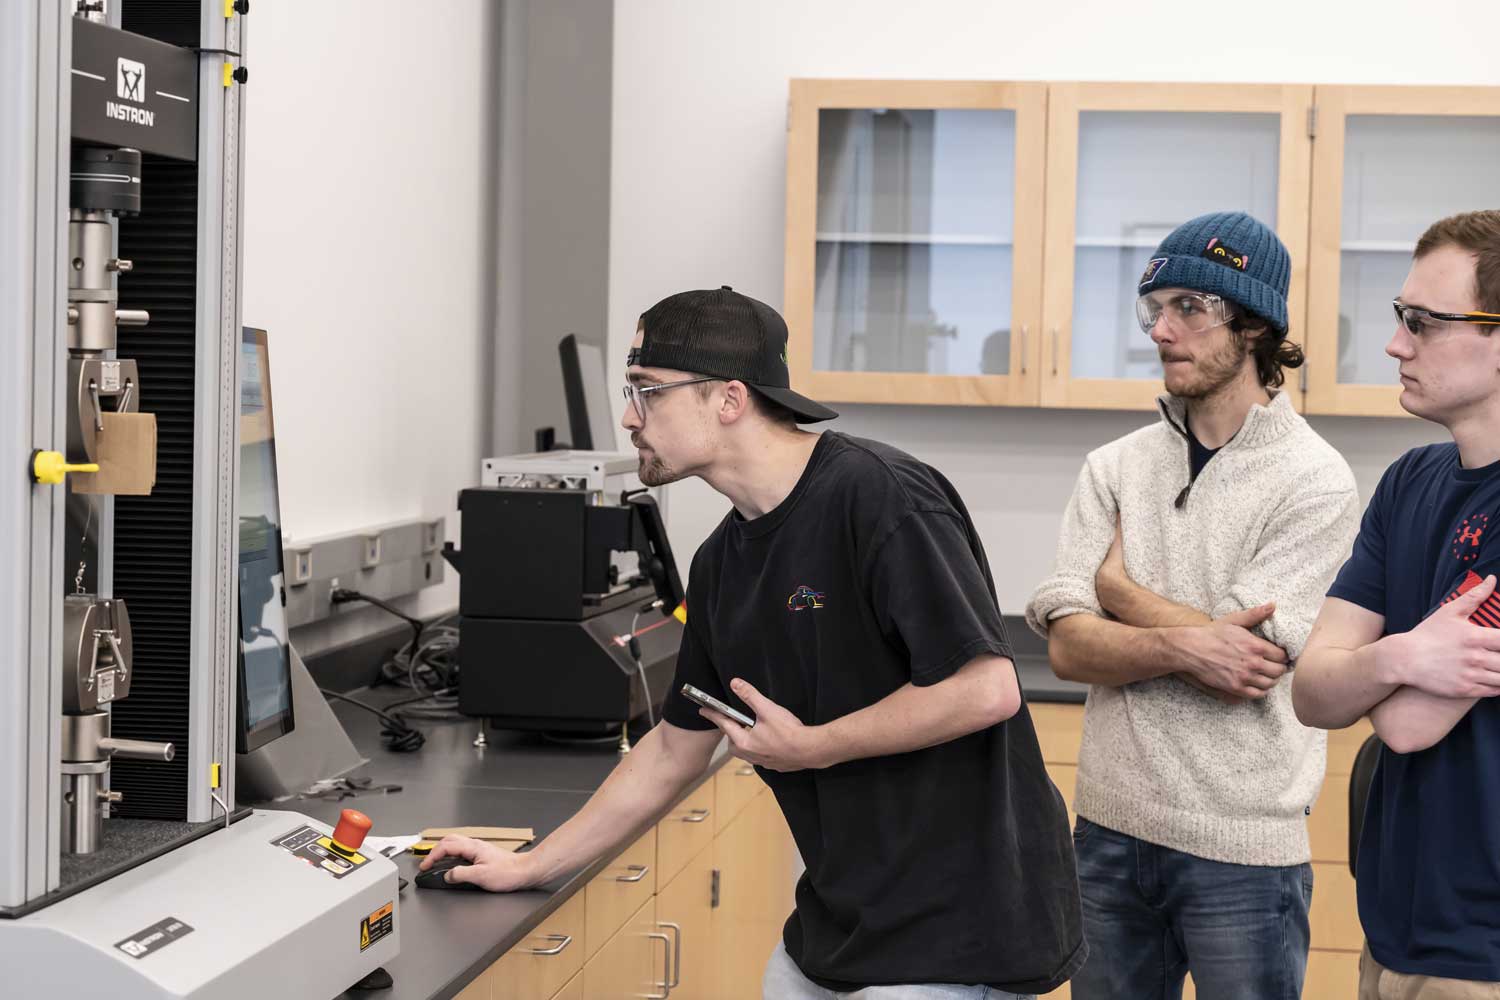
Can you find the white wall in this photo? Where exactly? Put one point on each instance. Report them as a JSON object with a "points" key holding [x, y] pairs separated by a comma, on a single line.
{"points": [[364, 245], [698, 182]]}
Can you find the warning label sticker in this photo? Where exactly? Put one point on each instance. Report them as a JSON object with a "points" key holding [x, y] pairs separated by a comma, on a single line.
{"points": [[377, 925], [154, 938]]}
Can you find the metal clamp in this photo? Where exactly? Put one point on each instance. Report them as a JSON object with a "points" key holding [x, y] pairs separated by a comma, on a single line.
{"points": [[563, 941], [696, 816], [666, 973], [676, 930], [640, 873]]}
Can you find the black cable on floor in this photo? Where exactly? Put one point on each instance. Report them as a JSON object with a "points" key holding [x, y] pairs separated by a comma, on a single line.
{"points": [[395, 734]]}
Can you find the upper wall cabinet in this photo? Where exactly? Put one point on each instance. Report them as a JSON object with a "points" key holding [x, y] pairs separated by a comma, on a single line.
{"points": [[1127, 164], [1387, 163], [914, 214], [981, 243]]}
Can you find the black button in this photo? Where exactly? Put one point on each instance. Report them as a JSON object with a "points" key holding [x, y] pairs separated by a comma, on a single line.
{"points": [[725, 288]]}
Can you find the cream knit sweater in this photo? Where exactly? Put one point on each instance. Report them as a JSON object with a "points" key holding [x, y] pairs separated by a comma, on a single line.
{"points": [[1272, 516]]}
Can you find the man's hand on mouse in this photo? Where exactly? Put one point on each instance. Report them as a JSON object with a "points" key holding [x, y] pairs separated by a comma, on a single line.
{"points": [[488, 866]]}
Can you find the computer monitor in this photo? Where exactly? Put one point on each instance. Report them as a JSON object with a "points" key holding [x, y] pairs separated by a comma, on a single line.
{"points": [[265, 677], [587, 392]]}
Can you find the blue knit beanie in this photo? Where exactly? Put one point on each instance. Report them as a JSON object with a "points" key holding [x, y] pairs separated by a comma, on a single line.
{"points": [[1229, 254]]}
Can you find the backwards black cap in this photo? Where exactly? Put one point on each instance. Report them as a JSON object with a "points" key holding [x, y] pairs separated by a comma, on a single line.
{"points": [[722, 333]]}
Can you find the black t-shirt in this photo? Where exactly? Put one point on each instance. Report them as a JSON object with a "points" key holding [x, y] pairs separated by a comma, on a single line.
{"points": [[1198, 455], [952, 864]]}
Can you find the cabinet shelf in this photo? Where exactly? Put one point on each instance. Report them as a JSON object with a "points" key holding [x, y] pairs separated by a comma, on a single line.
{"points": [[1378, 246], [1122, 242], [934, 239]]}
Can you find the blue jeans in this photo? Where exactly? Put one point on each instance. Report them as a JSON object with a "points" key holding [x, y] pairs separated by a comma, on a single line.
{"points": [[784, 981], [1152, 914]]}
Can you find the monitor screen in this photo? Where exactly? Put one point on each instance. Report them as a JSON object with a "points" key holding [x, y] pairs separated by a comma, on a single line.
{"points": [[586, 390], [265, 675]]}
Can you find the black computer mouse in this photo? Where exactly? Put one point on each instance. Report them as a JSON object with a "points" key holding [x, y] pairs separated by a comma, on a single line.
{"points": [[433, 878]]}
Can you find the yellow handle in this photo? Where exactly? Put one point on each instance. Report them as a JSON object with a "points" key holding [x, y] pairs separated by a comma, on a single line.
{"points": [[49, 467]]}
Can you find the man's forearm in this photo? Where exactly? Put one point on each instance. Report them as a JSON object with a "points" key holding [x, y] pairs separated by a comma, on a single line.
{"points": [[1135, 605], [1092, 650], [981, 694], [1412, 719], [644, 783], [1333, 688]]}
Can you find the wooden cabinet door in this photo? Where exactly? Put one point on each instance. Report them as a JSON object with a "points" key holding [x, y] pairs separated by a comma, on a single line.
{"points": [[913, 240], [549, 957], [684, 833], [1383, 170], [685, 910], [1126, 164], [756, 860], [572, 991], [629, 965], [618, 891], [735, 785]]}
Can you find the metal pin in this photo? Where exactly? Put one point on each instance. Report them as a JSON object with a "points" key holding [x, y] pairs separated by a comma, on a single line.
{"points": [[98, 410]]}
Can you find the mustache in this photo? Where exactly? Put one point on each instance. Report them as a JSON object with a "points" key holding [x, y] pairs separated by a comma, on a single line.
{"points": [[1171, 357]]}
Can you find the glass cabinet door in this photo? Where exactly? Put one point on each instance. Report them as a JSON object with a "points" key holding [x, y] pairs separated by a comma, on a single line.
{"points": [[1128, 164], [914, 240], [1388, 162]]}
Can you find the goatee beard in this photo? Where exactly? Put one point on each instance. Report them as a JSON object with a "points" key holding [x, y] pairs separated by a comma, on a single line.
{"points": [[654, 472], [1214, 374]]}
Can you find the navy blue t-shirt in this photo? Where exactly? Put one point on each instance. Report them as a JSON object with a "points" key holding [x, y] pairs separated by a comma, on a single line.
{"points": [[1428, 869]]}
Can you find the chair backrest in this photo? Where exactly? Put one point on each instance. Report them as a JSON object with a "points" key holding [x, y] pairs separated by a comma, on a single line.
{"points": [[1359, 791]]}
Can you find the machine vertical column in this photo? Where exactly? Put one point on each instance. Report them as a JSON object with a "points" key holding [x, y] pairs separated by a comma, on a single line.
{"points": [[35, 55], [216, 453]]}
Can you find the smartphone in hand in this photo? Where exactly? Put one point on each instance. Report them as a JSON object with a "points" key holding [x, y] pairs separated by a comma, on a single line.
{"points": [[709, 701]]}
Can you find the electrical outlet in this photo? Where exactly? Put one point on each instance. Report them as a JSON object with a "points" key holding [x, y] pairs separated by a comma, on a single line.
{"points": [[301, 566], [372, 551]]}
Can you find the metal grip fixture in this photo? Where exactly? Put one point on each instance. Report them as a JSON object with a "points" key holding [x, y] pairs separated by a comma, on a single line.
{"points": [[96, 652]]}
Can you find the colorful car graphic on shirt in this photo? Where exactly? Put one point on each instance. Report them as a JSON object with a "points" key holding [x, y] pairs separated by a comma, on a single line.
{"points": [[803, 598]]}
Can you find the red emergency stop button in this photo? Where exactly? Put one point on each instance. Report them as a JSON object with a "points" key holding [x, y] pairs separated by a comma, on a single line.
{"points": [[350, 833]]}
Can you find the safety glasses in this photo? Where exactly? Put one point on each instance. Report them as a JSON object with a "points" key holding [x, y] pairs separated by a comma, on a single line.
{"points": [[1185, 312]]}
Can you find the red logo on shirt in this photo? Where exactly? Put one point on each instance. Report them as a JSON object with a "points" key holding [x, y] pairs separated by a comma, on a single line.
{"points": [[1488, 613], [1466, 539]]}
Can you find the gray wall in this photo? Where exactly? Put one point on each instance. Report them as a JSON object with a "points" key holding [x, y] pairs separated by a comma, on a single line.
{"points": [[564, 188]]}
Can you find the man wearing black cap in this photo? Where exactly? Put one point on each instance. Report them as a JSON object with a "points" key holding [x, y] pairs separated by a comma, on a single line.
{"points": [[845, 603]]}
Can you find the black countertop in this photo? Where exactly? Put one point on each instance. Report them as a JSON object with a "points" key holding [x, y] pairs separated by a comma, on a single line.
{"points": [[449, 938]]}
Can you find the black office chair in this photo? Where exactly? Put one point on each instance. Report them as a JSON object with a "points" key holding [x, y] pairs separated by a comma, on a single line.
{"points": [[1359, 791]]}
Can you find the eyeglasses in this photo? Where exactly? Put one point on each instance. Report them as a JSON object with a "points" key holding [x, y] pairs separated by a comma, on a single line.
{"points": [[1421, 322], [637, 395], [1186, 312]]}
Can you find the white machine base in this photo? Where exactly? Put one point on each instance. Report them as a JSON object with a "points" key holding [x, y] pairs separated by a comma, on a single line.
{"points": [[230, 916]]}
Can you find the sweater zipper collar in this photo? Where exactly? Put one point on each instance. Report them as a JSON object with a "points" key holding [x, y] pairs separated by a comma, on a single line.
{"points": [[1181, 429]]}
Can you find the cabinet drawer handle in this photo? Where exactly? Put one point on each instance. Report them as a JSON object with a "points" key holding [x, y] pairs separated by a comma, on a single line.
{"points": [[563, 940], [745, 772], [676, 930], [696, 816], [640, 873], [666, 972], [1023, 348]]}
